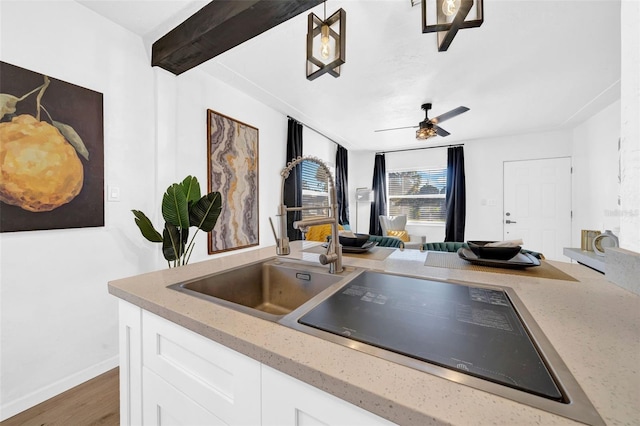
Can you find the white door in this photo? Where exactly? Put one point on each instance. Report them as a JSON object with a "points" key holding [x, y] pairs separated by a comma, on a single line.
{"points": [[537, 204]]}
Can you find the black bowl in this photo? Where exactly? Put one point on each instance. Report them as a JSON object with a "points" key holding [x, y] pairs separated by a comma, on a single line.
{"points": [[357, 241], [498, 253]]}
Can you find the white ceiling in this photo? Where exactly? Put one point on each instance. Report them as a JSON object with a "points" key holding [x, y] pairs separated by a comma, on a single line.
{"points": [[533, 65]]}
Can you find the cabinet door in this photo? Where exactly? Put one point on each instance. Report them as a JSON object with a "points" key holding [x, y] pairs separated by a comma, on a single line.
{"points": [[130, 327], [287, 401], [163, 404], [223, 381]]}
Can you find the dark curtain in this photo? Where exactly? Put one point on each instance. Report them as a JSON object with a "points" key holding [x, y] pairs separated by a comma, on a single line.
{"points": [[379, 186], [293, 184], [455, 195], [342, 187]]}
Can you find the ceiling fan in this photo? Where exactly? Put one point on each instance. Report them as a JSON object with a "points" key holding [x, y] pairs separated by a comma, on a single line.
{"points": [[429, 128]]}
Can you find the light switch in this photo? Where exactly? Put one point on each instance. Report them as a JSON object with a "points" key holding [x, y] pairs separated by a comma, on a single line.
{"points": [[113, 193]]}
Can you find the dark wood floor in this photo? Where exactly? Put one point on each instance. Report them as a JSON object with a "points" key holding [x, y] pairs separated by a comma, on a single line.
{"points": [[95, 402]]}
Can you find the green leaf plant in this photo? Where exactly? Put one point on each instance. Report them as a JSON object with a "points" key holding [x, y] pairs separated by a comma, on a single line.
{"points": [[182, 208]]}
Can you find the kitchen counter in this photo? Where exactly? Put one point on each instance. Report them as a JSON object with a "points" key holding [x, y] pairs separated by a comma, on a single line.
{"points": [[588, 258], [592, 324]]}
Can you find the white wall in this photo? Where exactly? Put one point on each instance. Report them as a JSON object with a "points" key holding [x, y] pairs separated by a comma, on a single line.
{"points": [[58, 324], [316, 145], [630, 125], [595, 174], [195, 93], [360, 176], [592, 146], [484, 160]]}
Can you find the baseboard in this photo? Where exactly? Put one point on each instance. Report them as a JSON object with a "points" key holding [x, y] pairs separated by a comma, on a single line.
{"points": [[11, 408]]}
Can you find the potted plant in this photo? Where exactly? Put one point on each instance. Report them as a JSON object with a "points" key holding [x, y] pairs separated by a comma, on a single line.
{"points": [[182, 208]]}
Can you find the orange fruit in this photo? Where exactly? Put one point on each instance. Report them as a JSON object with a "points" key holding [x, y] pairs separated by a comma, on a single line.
{"points": [[39, 169]]}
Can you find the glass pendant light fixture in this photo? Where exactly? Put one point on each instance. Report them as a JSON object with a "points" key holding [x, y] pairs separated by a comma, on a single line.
{"points": [[325, 49], [326, 40], [425, 131], [446, 17], [450, 7]]}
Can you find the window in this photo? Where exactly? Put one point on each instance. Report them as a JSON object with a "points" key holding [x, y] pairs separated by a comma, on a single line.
{"points": [[419, 194], [315, 189]]}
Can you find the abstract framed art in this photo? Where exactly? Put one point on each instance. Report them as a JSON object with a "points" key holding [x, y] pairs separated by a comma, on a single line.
{"points": [[51, 153], [232, 153]]}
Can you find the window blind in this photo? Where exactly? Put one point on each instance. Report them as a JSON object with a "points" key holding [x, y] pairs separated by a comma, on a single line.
{"points": [[418, 194], [315, 189]]}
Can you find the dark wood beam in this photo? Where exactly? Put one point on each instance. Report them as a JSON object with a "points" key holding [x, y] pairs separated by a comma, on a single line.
{"points": [[219, 26]]}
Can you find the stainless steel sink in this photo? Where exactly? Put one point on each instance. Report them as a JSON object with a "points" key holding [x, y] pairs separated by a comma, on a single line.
{"points": [[268, 289]]}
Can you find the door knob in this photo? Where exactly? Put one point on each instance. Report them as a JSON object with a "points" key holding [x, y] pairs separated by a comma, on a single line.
{"points": [[510, 221]]}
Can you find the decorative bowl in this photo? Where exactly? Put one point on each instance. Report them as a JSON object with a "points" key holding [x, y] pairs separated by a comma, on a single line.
{"points": [[357, 241], [499, 253]]}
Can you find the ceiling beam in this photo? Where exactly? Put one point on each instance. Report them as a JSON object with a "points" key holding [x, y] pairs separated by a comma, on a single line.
{"points": [[219, 26]]}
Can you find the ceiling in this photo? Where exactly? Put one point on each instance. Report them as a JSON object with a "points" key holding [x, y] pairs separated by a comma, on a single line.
{"points": [[533, 65]]}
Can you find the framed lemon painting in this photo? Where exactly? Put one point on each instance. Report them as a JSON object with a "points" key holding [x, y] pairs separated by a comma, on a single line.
{"points": [[51, 153]]}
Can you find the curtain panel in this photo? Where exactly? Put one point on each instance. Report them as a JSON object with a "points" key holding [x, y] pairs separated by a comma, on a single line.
{"points": [[293, 184], [342, 187], [379, 187], [455, 197]]}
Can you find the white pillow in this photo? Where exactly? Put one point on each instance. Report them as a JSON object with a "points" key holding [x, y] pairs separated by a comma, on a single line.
{"points": [[396, 223]]}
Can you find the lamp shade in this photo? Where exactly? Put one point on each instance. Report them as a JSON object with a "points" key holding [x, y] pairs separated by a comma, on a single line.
{"points": [[364, 195]]}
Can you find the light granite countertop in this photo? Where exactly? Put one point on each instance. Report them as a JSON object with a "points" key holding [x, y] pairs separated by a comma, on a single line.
{"points": [[592, 324]]}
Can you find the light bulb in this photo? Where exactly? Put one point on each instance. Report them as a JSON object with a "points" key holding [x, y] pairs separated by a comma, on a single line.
{"points": [[325, 51], [450, 7]]}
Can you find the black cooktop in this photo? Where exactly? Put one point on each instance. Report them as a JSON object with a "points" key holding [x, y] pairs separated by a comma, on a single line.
{"points": [[472, 330]]}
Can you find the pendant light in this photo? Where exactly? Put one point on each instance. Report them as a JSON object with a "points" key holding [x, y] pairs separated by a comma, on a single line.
{"points": [[446, 17], [326, 41]]}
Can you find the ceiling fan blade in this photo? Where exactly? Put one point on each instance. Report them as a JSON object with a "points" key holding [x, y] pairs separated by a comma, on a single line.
{"points": [[450, 114], [396, 128], [440, 131]]}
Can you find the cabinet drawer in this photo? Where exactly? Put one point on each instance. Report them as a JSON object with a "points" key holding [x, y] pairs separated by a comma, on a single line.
{"points": [[287, 401], [212, 375], [163, 404]]}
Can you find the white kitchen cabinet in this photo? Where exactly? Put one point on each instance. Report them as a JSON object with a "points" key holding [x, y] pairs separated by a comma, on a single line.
{"points": [[163, 404], [287, 401], [170, 375], [222, 380], [130, 340], [184, 378]]}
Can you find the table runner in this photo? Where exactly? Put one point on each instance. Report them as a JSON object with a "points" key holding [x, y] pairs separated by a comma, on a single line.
{"points": [[375, 253], [453, 261]]}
